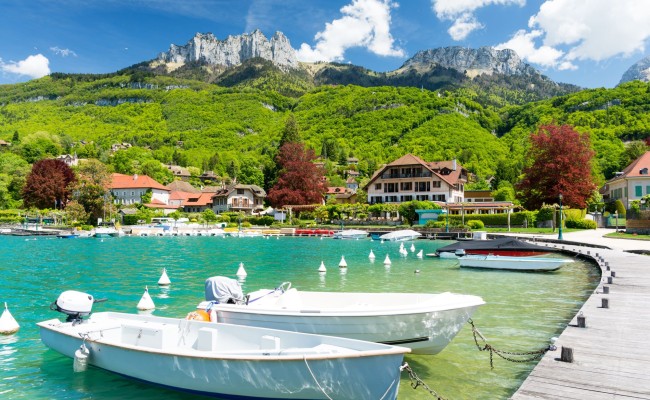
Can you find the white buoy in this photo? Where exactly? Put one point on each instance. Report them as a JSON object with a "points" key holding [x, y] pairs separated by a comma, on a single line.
{"points": [[80, 363], [241, 272], [343, 264], [387, 260], [322, 267], [403, 252], [164, 279], [146, 303], [8, 324], [412, 248], [371, 255], [420, 254], [401, 246]]}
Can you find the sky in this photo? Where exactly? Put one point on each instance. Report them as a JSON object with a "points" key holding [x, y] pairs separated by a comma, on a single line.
{"points": [[589, 43]]}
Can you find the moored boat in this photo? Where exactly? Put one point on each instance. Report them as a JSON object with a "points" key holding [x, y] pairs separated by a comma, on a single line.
{"points": [[424, 322], [350, 234], [513, 263], [223, 360], [400, 236], [502, 247]]}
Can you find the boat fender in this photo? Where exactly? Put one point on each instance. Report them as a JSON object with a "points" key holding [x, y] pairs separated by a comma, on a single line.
{"points": [[198, 315], [81, 359]]}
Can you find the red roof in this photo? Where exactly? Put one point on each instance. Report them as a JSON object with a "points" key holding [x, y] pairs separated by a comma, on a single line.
{"points": [[120, 181], [636, 168]]}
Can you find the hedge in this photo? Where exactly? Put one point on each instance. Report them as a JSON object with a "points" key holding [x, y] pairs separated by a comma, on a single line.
{"points": [[516, 218], [581, 224]]}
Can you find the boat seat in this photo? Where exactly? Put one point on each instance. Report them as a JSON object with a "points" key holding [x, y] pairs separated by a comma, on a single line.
{"points": [[269, 342], [207, 339]]}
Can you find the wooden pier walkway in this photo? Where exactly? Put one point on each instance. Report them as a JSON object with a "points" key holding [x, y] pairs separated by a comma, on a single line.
{"points": [[611, 354]]}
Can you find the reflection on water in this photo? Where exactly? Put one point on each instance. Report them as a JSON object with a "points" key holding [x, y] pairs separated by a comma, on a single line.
{"points": [[523, 310]]}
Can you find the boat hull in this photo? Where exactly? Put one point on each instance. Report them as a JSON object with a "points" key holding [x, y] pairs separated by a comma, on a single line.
{"points": [[425, 323], [316, 373], [513, 263]]}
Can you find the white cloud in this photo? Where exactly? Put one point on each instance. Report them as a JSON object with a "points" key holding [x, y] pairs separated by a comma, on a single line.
{"points": [[35, 66], [594, 29], [461, 12], [365, 23], [463, 26], [62, 52], [564, 32], [524, 44]]}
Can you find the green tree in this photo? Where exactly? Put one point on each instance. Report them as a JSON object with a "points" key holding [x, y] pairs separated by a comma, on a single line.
{"points": [[39, 145], [407, 209], [208, 215], [91, 189], [291, 133], [13, 172]]}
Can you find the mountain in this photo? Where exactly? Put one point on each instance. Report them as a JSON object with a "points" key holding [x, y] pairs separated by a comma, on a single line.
{"points": [[471, 62], [639, 71], [206, 48], [497, 77]]}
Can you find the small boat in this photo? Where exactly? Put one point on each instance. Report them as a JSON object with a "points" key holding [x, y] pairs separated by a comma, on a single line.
{"points": [[513, 263], [105, 232], [350, 234], [68, 235], [222, 360], [424, 322], [502, 247], [400, 236]]}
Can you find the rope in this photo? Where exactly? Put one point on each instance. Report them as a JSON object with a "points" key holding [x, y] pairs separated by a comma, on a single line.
{"points": [[304, 357], [534, 355], [416, 382]]}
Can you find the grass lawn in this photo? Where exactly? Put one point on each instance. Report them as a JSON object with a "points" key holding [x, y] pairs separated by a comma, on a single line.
{"points": [[623, 235]]}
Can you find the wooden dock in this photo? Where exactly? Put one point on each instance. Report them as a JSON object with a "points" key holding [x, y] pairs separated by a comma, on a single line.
{"points": [[611, 353]]}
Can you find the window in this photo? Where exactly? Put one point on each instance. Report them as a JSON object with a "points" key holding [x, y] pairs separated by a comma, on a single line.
{"points": [[390, 188], [377, 186], [422, 186], [422, 197], [435, 184], [647, 190], [406, 186], [407, 198], [240, 191], [638, 191]]}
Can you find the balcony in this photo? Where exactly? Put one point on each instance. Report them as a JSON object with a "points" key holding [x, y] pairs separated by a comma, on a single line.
{"points": [[423, 174]]}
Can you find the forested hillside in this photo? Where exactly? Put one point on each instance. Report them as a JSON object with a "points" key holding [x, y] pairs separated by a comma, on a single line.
{"points": [[234, 130]]}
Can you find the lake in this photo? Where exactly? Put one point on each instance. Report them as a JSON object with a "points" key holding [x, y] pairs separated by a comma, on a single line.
{"points": [[523, 311]]}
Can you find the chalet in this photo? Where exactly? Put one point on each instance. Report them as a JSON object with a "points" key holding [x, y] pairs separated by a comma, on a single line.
{"points": [[129, 189], [352, 184], [239, 198], [179, 172], [630, 184], [410, 178], [210, 176]]}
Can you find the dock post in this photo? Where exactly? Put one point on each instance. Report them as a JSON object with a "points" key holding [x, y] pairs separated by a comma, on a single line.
{"points": [[566, 354], [605, 303], [605, 289], [613, 274], [610, 280], [582, 323]]}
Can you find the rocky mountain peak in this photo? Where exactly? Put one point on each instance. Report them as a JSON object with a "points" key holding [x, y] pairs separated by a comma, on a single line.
{"points": [[639, 71], [472, 62], [205, 47]]}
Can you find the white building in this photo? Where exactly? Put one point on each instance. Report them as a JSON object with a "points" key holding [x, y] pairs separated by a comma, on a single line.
{"points": [[630, 184], [129, 189]]}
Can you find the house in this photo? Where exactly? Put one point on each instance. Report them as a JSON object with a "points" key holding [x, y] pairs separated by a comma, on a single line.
{"points": [[352, 184], [341, 195], [179, 172], [70, 160], [478, 196], [4, 143], [129, 189], [210, 176], [239, 198], [411, 178], [630, 184]]}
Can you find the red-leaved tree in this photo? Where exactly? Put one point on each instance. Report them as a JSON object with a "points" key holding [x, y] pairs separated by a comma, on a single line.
{"points": [[561, 164], [300, 180], [48, 185]]}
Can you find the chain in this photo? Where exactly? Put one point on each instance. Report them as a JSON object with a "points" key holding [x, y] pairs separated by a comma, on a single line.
{"points": [[533, 355], [416, 382]]}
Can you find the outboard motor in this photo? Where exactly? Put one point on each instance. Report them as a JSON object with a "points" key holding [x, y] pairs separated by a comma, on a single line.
{"points": [[223, 290], [75, 305]]}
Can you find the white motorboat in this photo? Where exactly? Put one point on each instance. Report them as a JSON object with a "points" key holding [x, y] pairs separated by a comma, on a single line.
{"points": [[222, 360], [400, 236], [105, 232], [513, 263], [424, 322], [350, 234]]}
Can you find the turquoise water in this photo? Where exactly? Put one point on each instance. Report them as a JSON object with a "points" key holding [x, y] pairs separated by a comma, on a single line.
{"points": [[523, 311]]}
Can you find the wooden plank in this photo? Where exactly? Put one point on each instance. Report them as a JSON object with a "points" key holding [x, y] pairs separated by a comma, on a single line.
{"points": [[611, 355]]}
